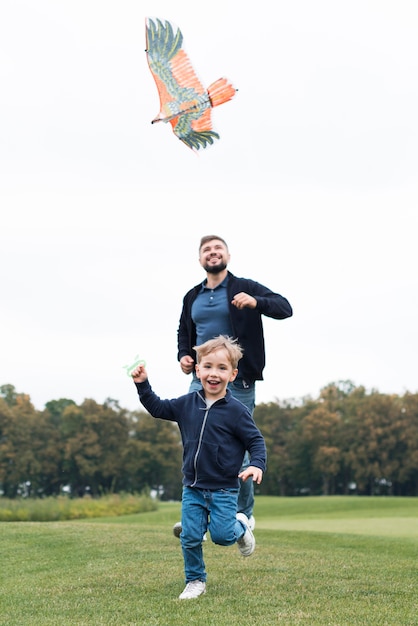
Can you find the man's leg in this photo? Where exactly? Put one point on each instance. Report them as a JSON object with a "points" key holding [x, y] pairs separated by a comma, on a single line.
{"points": [[246, 394], [246, 491]]}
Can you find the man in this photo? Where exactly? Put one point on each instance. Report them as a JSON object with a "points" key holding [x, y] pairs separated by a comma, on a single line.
{"points": [[226, 305]]}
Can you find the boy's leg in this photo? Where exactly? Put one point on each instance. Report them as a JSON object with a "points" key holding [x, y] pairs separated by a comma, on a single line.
{"points": [[194, 520], [224, 528]]}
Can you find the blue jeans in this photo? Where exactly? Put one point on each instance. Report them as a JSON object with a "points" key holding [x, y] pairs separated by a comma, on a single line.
{"points": [[202, 510], [246, 394]]}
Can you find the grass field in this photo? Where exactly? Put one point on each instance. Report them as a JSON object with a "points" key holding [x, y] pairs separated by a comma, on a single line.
{"points": [[318, 561]]}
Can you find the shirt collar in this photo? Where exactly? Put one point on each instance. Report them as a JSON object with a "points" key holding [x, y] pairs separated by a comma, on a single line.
{"points": [[222, 284]]}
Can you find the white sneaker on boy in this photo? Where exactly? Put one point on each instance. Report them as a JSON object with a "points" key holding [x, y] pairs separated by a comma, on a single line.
{"points": [[246, 544], [193, 589]]}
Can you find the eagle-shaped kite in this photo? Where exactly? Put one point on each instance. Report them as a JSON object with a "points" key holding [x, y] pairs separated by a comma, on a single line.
{"points": [[184, 102]]}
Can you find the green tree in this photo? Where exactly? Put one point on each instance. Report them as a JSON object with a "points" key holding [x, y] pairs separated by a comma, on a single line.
{"points": [[96, 440], [154, 455], [277, 423], [19, 464], [113, 436], [9, 394], [374, 447], [6, 447], [321, 431], [81, 450], [406, 480]]}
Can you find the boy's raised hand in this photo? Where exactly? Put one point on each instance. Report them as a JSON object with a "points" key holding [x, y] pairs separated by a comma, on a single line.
{"points": [[139, 374]]}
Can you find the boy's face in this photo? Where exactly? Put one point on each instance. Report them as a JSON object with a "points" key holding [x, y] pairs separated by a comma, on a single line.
{"points": [[215, 372]]}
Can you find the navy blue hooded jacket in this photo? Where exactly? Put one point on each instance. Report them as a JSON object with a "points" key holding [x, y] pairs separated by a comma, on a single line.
{"points": [[247, 326], [214, 439]]}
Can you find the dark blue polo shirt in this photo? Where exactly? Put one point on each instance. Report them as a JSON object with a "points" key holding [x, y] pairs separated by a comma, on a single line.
{"points": [[210, 313]]}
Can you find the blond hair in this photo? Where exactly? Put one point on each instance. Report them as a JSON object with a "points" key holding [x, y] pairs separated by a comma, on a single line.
{"points": [[232, 347]]}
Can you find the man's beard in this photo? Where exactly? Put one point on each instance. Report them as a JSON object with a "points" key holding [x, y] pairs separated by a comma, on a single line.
{"points": [[215, 269]]}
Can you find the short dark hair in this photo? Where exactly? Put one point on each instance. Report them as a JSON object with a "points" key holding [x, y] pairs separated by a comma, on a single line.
{"points": [[207, 238]]}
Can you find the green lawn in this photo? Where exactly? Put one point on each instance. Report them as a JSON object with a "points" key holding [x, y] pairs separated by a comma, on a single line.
{"points": [[328, 561]]}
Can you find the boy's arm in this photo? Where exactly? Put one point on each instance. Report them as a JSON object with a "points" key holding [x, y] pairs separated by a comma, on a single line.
{"points": [[149, 400], [255, 444]]}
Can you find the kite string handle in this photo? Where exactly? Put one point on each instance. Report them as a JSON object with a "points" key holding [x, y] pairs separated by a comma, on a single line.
{"points": [[134, 365]]}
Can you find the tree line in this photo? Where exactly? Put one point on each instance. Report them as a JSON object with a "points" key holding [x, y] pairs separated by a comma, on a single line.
{"points": [[347, 440]]}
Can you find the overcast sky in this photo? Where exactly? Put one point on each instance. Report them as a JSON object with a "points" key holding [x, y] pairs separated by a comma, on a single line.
{"points": [[313, 184]]}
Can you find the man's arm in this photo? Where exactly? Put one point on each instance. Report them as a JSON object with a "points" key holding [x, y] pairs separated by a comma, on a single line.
{"points": [[257, 296], [185, 335]]}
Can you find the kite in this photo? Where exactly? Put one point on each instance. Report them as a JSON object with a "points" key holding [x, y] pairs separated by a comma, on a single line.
{"points": [[130, 368], [184, 102]]}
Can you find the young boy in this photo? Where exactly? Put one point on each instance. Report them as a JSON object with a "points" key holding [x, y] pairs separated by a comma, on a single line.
{"points": [[216, 430]]}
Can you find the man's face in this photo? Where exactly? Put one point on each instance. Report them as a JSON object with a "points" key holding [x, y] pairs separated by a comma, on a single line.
{"points": [[214, 256]]}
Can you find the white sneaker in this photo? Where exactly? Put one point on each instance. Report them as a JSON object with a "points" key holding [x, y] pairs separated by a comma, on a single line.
{"points": [[192, 590], [246, 544], [251, 522], [177, 531]]}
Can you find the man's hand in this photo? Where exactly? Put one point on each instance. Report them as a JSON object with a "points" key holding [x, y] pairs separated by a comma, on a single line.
{"points": [[244, 300], [187, 364], [255, 472]]}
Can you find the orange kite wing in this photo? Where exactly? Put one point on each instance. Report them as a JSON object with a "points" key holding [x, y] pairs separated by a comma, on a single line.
{"points": [[184, 102]]}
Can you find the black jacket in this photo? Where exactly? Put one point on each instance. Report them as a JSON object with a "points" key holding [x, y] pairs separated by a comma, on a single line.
{"points": [[214, 439], [246, 323]]}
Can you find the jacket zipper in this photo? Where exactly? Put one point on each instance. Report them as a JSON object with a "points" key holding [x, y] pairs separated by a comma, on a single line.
{"points": [[199, 446]]}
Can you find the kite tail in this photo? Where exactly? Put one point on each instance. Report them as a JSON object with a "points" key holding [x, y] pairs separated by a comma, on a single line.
{"points": [[220, 91]]}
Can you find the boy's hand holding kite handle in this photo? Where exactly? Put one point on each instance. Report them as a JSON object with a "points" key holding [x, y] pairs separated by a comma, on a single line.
{"points": [[130, 369], [139, 374]]}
